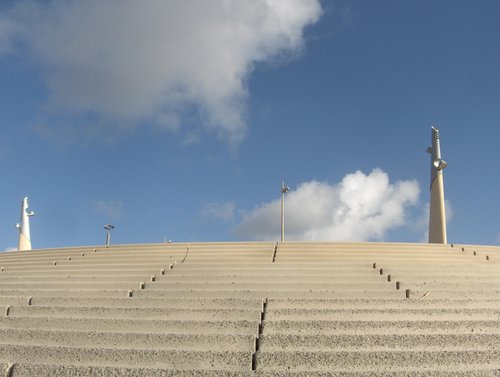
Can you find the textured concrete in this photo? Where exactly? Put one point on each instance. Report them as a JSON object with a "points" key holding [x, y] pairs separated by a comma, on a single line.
{"points": [[194, 310]]}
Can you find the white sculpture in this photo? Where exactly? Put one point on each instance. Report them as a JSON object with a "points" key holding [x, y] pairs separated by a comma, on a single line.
{"points": [[437, 215], [24, 227]]}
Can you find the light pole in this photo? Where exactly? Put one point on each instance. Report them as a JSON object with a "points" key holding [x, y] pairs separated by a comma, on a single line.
{"points": [[24, 227], [437, 212], [108, 228], [284, 190]]}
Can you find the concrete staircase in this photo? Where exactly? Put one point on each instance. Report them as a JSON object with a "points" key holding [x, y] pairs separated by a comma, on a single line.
{"points": [[262, 309]]}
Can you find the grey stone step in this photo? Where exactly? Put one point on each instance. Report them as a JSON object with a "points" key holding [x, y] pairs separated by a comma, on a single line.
{"points": [[382, 314], [386, 342], [107, 339], [69, 278], [134, 313], [303, 292], [269, 279], [127, 357], [71, 285], [383, 303], [465, 286], [375, 360], [214, 273], [290, 267], [472, 293], [13, 300], [64, 265], [239, 327], [83, 272], [180, 303], [379, 327], [64, 292], [277, 285], [51, 370]]}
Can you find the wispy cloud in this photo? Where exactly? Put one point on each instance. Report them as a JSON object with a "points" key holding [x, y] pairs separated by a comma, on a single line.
{"points": [[112, 209], [359, 208], [10, 249], [127, 62], [223, 211]]}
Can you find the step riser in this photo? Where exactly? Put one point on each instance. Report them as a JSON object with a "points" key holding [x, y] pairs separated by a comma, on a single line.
{"points": [[133, 313], [269, 343], [133, 326], [189, 342], [128, 357], [306, 361]]}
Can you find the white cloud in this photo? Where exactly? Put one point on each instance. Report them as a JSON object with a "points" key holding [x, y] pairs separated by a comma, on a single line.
{"points": [[223, 211], [9, 249], [359, 208], [128, 61], [112, 209]]}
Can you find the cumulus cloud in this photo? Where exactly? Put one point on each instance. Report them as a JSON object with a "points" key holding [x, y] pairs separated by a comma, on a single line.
{"points": [[128, 61], [222, 211], [359, 208], [112, 209]]}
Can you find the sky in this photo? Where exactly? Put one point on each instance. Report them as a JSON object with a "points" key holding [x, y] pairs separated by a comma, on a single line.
{"points": [[178, 120]]}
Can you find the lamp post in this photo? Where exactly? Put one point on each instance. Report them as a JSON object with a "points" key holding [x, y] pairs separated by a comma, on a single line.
{"points": [[437, 213], [108, 228], [24, 227], [284, 190]]}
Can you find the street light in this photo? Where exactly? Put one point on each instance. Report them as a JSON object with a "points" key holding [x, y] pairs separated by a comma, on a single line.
{"points": [[108, 228], [284, 190]]}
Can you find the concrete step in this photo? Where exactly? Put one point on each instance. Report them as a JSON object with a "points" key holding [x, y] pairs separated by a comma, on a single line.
{"points": [[382, 314], [64, 292], [13, 300], [278, 285], [451, 293], [134, 313], [86, 285], [387, 258], [386, 342], [427, 303], [51, 370], [64, 265], [271, 292], [267, 278], [289, 267], [374, 360], [443, 285], [81, 356], [179, 303], [107, 339], [83, 272], [163, 326], [267, 273], [381, 327], [67, 278]]}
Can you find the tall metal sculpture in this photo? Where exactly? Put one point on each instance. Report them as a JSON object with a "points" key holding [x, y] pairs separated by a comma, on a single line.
{"points": [[24, 227], [437, 214]]}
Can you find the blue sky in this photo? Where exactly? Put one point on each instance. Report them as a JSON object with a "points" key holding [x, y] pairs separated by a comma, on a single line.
{"points": [[180, 120]]}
